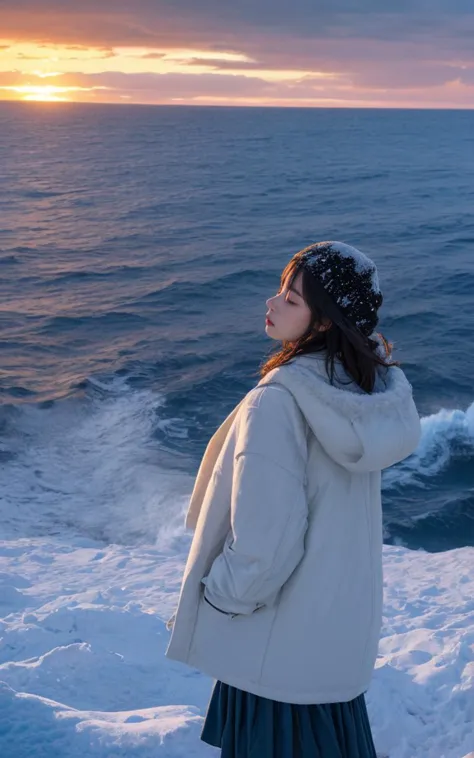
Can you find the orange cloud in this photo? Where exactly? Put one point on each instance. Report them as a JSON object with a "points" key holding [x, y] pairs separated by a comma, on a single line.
{"points": [[258, 52]]}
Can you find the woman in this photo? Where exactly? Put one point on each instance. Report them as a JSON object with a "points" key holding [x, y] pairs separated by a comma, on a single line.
{"points": [[281, 600]]}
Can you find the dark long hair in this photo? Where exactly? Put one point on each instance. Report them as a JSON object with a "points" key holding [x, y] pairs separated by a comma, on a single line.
{"points": [[342, 341]]}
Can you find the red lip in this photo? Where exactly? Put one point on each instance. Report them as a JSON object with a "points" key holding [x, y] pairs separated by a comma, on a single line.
{"points": [[267, 321]]}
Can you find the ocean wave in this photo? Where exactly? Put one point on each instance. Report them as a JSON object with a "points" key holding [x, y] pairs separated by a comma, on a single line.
{"points": [[111, 318], [9, 260], [446, 436], [17, 391], [65, 276], [174, 290], [445, 526], [90, 466]]}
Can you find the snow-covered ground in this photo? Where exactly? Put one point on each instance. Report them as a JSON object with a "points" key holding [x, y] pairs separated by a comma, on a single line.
{"points": [[82, 622], [83, 672]]}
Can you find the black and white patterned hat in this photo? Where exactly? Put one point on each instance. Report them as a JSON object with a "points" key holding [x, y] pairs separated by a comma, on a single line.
{"points": [[349, 277]]}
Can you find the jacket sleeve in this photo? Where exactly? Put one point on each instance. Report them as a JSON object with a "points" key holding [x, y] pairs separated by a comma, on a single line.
{"points": [[269, 512]]}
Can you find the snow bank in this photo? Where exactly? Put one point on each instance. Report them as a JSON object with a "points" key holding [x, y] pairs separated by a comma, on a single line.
{"points": [[83, 672]]}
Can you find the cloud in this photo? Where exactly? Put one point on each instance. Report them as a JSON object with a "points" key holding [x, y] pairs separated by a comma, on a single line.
{"points": [[306, 51], [164, 22], [227, 90]]}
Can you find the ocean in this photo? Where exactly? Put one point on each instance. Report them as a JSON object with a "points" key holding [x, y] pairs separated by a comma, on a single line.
{"points": [[138, 246]]}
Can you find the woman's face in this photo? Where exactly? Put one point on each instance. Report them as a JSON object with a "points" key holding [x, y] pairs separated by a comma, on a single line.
{"points": [[288, 313]]}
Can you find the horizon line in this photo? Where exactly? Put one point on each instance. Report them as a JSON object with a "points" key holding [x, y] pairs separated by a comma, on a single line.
{"points": [[62, 103]]}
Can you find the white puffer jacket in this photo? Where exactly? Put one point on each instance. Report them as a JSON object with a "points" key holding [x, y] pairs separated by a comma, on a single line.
{"points": [[282, 591]]}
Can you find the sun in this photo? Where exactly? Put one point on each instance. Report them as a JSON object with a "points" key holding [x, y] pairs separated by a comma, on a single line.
{"points": [[45, 93], [49, 93]]}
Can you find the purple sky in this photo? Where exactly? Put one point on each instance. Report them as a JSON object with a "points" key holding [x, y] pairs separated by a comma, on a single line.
{"points": [[303, 52]]}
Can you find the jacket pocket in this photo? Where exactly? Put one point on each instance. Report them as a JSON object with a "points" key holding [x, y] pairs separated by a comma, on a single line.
{"points": [[226, 613], [214, 603], [229, 647]]}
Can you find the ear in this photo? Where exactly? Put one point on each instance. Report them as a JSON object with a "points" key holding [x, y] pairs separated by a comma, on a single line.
{"points": [[325, 327]]}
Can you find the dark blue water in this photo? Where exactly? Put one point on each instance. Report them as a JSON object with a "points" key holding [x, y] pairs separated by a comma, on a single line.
{"points": [[137, 248]]}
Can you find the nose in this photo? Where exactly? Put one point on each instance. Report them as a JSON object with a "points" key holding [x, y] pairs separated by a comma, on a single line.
{"points": [[269, 301]]}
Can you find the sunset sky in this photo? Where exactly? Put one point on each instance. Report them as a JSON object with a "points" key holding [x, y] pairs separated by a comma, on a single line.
{"points": [[344, 53]]}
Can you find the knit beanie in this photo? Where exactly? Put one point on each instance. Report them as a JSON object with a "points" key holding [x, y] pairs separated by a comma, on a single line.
{"points": [[349, 277]]}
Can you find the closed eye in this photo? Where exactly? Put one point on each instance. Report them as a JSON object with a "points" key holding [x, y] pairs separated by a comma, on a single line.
{"points": [[291, 302]]}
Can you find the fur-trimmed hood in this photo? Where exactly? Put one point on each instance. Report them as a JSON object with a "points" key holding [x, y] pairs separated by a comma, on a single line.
{"points": [[361, 432]]}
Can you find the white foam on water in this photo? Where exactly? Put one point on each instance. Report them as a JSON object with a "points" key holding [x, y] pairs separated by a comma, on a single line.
{"points": [[90, 466], [442, 432]]}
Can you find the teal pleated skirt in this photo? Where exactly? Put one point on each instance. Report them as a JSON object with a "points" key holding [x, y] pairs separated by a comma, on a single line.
{"points": [[248, 726]]}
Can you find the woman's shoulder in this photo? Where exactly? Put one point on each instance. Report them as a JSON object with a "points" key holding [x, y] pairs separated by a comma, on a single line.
{"points": [[270, 422], [272, 407], [269, 396]]}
